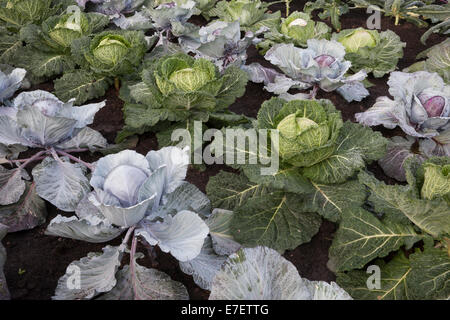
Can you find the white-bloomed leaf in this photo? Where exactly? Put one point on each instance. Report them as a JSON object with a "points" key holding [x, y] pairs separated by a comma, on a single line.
{"points": [[89, 229], [149, 284], [86, 138], [182, 235], [258, 274], [25, 214], [12, 185], [61, 183], [185, 197], [176, 160], [321, 290], [205, 266], [89, 276]]}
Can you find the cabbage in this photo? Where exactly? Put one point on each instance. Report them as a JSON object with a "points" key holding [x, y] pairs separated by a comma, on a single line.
{"points": [[321, 65], [298, 28], [421, 105], [219, 42], [251, 14], [147, 197], [370, 50], [179, 88], [11, 81]]}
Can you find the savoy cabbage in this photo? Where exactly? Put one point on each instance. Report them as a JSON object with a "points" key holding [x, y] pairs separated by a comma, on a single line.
{"points": [[176, 90], [319, 158]]}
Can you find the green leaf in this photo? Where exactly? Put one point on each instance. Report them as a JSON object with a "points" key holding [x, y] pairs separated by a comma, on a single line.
{"points": [[288, 179], [219, 224], [275, 220], [394, 280], [9, 47], [22, 12], [355, 146], [430, 274], [432, 216], [229, 190], [362, 237], [44, 64], [329, 9], [81, 85], [380, 59], [233, 87], [330, 201]]}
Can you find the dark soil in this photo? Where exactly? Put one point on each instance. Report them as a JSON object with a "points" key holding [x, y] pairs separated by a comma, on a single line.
{"points": [[36, 261]]}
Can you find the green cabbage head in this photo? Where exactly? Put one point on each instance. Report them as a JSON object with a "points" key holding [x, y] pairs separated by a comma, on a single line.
{"points": [[66, 29], [179, 74], [115, 53], [359, 38], [251, 14], [300, 27], [307, 131], [436, 181]]}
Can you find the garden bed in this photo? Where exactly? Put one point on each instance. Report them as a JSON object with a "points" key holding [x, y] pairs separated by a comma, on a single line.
{"points": [[36, 261]]}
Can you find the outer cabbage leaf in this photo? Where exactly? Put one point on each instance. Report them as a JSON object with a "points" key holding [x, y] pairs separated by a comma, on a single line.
{"points": [[437, 60], [423, 276], [219, 224], [10, 82], [11, 185], [275, 220], [61, 183], [97, 273], [263, 274], [431, 216], [380, 57], [394, 279], [182, 236], [149, 284], [28, 212], [86, 229], [362, 237], [205, 266]]}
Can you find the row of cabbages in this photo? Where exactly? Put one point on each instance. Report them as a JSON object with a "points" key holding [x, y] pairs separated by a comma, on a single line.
{"points": [[322, 158]]}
